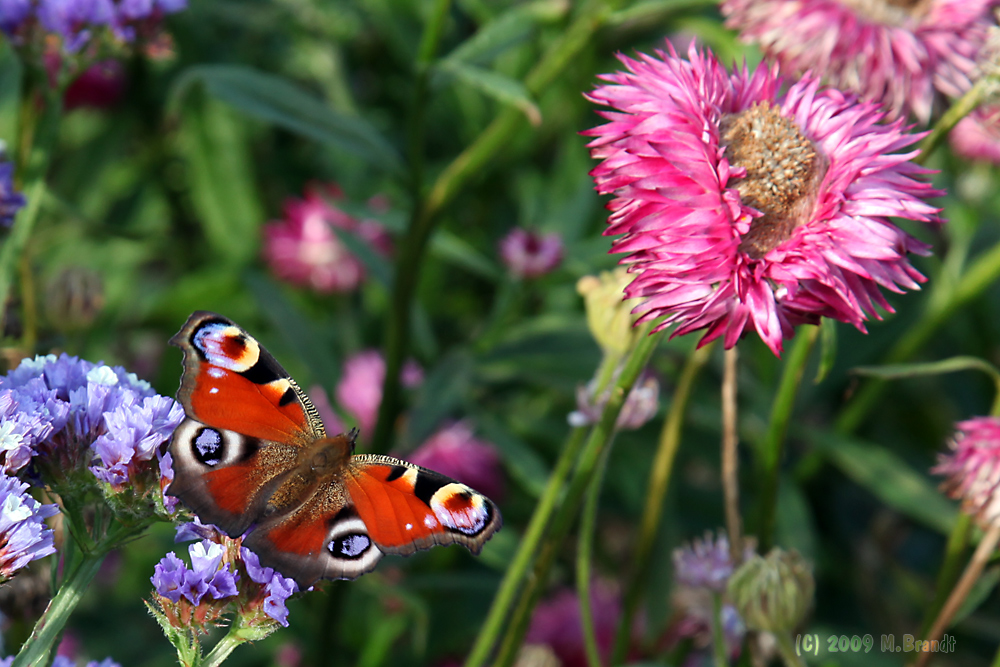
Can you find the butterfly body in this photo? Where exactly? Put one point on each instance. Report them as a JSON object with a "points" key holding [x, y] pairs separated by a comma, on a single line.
{"points": [[253, 454]]}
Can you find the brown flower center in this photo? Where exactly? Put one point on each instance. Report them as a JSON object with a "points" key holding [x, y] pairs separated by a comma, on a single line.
{"points": [[896, 13], [783, 169]]}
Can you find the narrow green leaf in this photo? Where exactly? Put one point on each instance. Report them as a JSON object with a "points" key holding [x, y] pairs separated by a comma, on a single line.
{"points": [[222, 186], [510, 28], [443, 390], [10, 97], [827, 348], [453, 249], [375, 264], [278, 101], [950, 365], [887, 477], [981, 590], [523, 462], [493, 84]]}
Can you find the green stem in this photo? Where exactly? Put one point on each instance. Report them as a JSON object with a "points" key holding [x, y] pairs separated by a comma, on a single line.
{"points": [[584, 561], [787, 650], [225, 646], [996, 659], [949, 119], [472, 161], [730, 458], [951, 568], [50, 625], [944, 301], [718, 634], [600, 438], [659, 478], [773, 444]]}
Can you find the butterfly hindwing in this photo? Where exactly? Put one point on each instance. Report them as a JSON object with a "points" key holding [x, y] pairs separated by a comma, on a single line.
{"points": [[231, 382], [407, 508]]}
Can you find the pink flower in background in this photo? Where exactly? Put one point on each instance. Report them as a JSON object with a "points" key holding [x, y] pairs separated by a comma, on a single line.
{"points": [[742, 208], [640, 406], [455, 452], [528, 254], [331, 420], [977, 136], [304, 249], [359, 391], [972, 468], [101, 86], [556, 622], [901, 54]]}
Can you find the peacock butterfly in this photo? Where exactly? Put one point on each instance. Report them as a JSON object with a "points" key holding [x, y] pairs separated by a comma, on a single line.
{"points": [[253, 455]]}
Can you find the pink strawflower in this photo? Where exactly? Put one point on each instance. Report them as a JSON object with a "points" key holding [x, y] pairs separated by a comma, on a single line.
{"points": [[528, 254], [359, 391], [744, 208], [972, 468], [556, 622], [455, 452], [304, 249], [977, 136], [904, 55]]}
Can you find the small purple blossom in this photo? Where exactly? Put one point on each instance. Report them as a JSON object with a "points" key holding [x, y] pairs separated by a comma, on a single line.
{"points": [[23, 534], [134, 433], [707, 563], [278, 587], [77, 21], [207, 576], [528, 254], [10, 201]]}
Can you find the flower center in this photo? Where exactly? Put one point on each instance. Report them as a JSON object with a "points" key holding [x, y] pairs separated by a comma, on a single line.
{"points": [[895, 13], [783, 172]]}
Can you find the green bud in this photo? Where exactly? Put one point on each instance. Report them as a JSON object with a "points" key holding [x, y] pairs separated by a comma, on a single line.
{"points": [[609, 313], [773, 593]]}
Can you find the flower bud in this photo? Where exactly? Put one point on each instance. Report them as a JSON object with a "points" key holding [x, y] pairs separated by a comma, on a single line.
{"points": [[74, 298], [609, 314], [773, 593]]}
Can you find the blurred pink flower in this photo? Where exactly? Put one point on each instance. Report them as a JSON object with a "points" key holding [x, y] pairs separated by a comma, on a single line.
{"points": [[972, 468], [977, 136], [101, 86], [304, 249], [331, 420], [455, 452], [528, 254], [900, 54], [359, 391], [640, 406], [556, 622], [742, 208]]}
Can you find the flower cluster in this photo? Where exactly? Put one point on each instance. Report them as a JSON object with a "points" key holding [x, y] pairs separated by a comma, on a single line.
{"points": [[223, 577], [902, 55], [745, 208], [971, 468], [11, 201], [76, 22], [304, 249], [23, 534], [707, 563], [65, 415], [528, 254]]}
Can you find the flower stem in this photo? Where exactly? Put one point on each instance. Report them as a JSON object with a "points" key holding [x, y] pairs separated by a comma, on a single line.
{"points": [[656, 491], [773, 445], [50, 625], [730, 461], [225, 646], [962, 589], [954, 555], [949, 119], [718, 635], [585, 558], [787, 650], [473, 160], [599, 439]]}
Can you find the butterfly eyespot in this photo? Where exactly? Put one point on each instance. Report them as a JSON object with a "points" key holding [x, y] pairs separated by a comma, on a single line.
{"points": [[460, 510], [352, 545], [208, 447]]}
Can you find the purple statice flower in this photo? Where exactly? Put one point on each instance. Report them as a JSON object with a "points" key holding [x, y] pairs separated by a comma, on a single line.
{"points": [[11, 201], [23, 534], [359, 390], [707, 563], [135, 432], [528, 254], [107, 662], [277, 587], [24, 422], [208, 576], [73, 20], [191, 531], [13, 14], [640, 405], [455, 452], [745, 204]]}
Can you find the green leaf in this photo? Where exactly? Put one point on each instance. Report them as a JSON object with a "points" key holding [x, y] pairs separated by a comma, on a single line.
{"points": [[276, 100], [510, 28], [222, 186], [493, 84], [950, 365], [980, 591], [553, 350], [451, 248], [10, 96], [374, 263], [888, 478], [523, 462], [443, 390], [827, 348]]}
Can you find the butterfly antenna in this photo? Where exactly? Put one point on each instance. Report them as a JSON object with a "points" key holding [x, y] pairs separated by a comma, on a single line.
{"points": [[352, 435]]}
